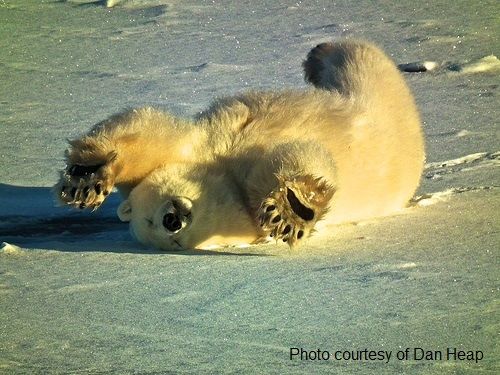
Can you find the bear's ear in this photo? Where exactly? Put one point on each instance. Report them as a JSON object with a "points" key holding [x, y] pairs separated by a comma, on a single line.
{"points": [[125, 211]]}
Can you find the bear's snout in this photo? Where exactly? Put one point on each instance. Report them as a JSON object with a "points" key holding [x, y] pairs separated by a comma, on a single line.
{"points": [[175, 214], [171, 222]]}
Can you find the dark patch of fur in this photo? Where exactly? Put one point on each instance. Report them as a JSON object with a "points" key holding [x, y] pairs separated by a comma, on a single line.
{"points": [[313, 66]]}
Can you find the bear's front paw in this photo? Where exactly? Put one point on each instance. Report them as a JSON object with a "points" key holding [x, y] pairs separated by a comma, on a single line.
{"points": [[85, 186], [290, 212]]}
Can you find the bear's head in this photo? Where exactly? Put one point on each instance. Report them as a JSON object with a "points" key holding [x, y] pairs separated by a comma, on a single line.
{"points": [[185, 207], [160, 215]]}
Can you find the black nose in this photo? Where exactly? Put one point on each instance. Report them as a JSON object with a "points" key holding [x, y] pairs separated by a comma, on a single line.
{"points": [[172, 222]]}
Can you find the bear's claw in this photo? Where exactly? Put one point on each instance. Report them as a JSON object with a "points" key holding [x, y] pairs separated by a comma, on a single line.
{"points": [[278, 219], [84, 186], [290, 212]]}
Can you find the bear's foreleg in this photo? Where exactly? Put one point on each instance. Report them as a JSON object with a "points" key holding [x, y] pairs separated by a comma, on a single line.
{"points": [[297, 182], [90, 173], [291, 211], [121, 151]]}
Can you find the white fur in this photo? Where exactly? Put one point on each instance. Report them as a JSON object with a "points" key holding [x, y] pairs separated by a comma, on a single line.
{"points": [[359, 131]]}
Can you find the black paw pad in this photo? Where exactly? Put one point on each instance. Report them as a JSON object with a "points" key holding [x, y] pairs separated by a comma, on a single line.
{"points": [[83, 170], [304, 212]]}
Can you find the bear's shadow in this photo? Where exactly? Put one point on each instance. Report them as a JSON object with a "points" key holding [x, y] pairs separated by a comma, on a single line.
{"points": [[30, 218]]}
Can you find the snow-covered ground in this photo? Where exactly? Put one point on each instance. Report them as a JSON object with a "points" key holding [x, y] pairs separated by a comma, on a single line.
{"points": [[78, 295]]}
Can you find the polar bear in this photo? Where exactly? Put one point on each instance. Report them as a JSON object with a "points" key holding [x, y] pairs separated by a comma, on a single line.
{"points": [[260, 164]]}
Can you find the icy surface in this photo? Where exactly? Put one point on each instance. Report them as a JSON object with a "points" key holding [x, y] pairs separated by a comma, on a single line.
{"points": [[78, 295]]}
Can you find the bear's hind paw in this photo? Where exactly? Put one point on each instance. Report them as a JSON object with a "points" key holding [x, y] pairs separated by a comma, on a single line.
{"points": [[290, 212]]}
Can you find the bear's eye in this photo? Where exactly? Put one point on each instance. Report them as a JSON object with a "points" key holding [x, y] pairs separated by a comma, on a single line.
{"points": [[150, 222]]}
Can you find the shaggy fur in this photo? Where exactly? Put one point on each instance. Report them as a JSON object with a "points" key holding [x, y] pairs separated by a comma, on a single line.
{"points": [[260, 164]]}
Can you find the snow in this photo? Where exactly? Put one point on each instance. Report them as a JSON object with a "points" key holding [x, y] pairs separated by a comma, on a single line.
{"points": [[78, 295]]}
